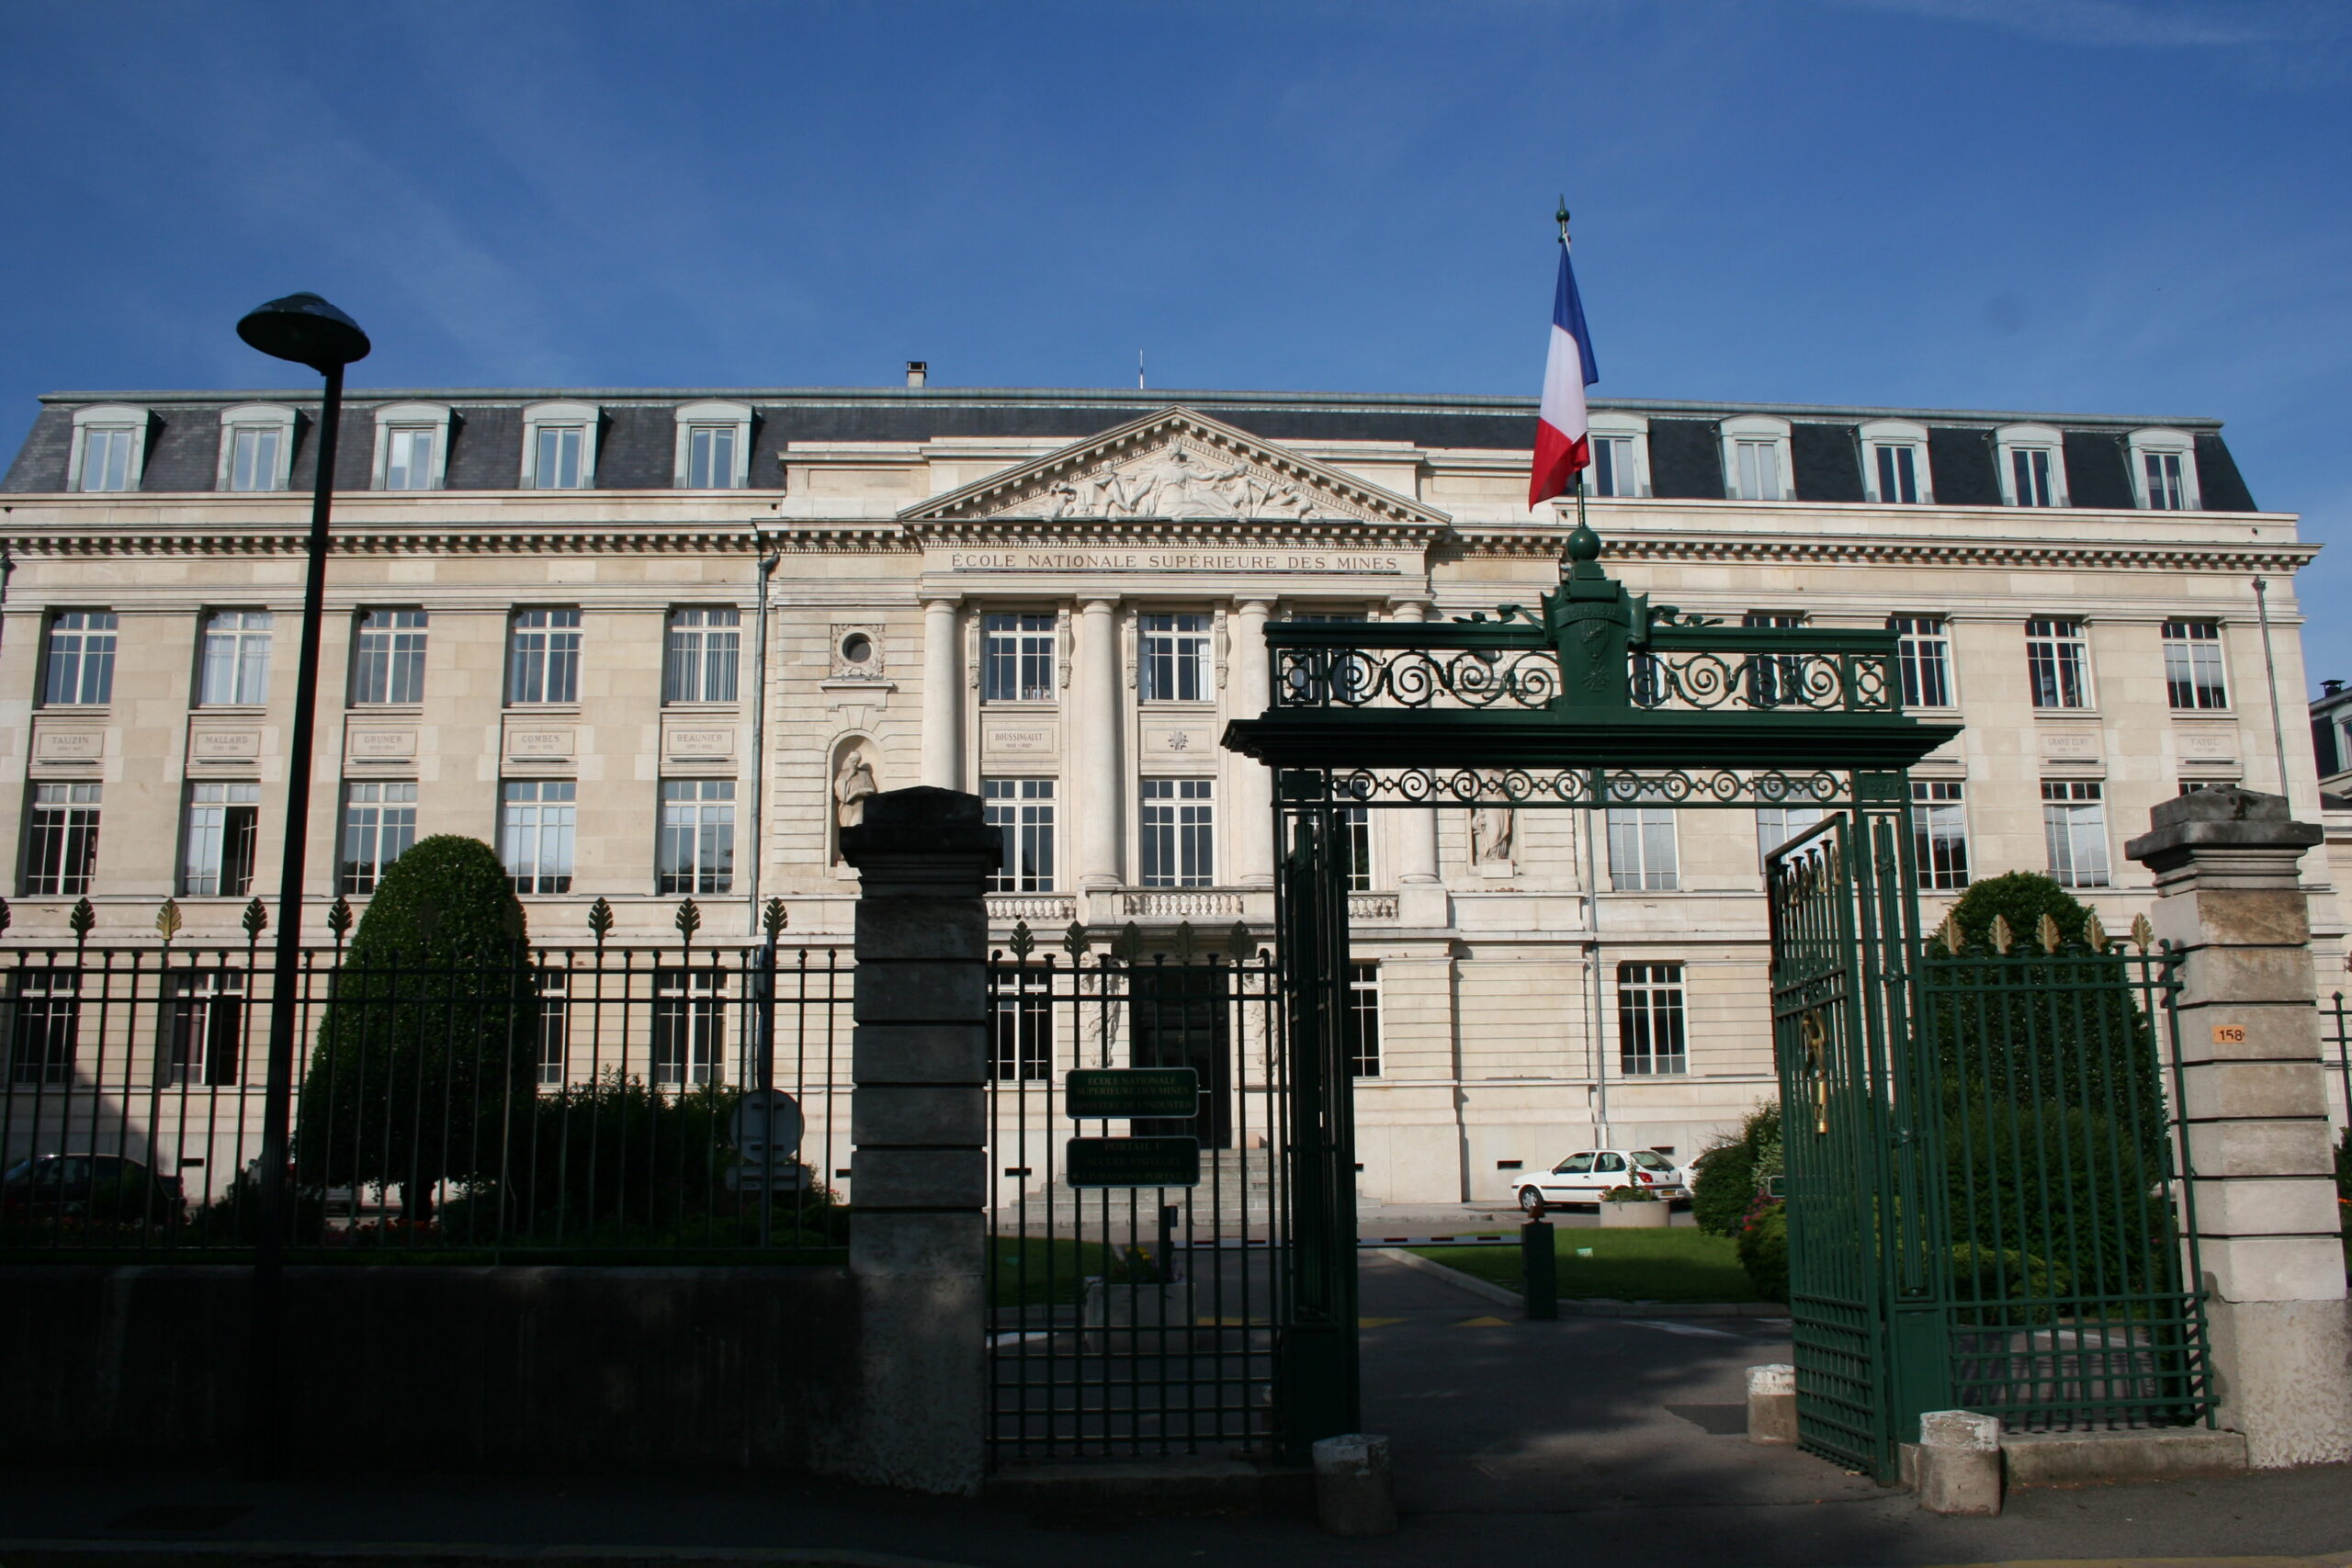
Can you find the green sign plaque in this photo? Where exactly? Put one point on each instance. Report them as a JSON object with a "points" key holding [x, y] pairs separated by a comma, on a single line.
{"points": [[1132, 1162], [1132, 1091]]}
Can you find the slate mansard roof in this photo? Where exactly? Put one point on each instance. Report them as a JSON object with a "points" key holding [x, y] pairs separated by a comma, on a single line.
{"points": [[638, 428]]}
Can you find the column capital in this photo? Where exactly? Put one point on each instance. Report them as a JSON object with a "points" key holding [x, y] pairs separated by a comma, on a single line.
{"points": [[1089, 604], [1409, 609], [943, 600], [1257, 604]]}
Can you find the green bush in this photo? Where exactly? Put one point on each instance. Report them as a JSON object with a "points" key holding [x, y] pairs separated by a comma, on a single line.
{"points": [[619, 1161], [1982, 1278], [1629, 1195], [1763, 1246], [1733, 1170], [425, 1065]]}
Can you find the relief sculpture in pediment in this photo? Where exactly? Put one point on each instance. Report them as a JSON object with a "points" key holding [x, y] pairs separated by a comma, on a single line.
{"points": [[1177, 482]]}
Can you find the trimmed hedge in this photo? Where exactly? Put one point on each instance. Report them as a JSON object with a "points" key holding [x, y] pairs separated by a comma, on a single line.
{"points": [[426, 1065]]}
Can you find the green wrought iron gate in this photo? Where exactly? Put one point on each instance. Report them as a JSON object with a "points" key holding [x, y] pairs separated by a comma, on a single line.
{"points": [[1864, 1193], [1985, 1187]]}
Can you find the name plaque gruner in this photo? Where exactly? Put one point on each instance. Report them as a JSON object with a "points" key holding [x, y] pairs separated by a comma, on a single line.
{"points": [[1132, 1091], [1132, 1162]]}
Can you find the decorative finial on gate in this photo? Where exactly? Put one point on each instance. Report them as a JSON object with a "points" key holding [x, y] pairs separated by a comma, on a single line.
{"points": [[600, 920], [2142, 934], [1184, 942], [2094, 932], [85, 917], [689, 920], [774, 917], [2046, 931], [1240, 944], [168, 919], [1075, 941], [2003, 937], [1024, 941], [1949, 933]]}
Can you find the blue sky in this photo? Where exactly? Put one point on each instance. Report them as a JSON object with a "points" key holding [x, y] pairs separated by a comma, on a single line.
{"points": [[2129, 206]]}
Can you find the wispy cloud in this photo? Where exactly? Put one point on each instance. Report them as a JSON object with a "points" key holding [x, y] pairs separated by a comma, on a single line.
{"points": [[2136, 23]]}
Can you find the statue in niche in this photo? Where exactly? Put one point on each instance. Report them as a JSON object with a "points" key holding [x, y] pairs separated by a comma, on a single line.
{"points": [[851, 786], [1493, 830]]}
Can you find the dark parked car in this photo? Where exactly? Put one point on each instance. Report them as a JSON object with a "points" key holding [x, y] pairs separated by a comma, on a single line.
{"points": [[105, 1188]]}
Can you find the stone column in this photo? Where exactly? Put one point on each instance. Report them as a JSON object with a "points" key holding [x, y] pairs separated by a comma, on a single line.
{"points": [[1102, 798], [1253, 783], [942, 693], [919, 1118], [1416, 831], [2255, 1102]]}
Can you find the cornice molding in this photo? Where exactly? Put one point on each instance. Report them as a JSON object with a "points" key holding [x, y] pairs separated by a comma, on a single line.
{"points": [[1471, 544], [1174, 533], [876, 538]]}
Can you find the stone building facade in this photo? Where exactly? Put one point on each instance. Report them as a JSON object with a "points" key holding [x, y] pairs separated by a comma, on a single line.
{"points": [[656, 645]]}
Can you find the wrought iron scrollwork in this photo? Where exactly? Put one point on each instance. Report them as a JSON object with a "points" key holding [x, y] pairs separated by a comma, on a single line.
{"points": [[1416, 678]]}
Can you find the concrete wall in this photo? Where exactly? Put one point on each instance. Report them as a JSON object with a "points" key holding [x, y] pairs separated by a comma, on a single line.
{"points": [[432, 1368]]}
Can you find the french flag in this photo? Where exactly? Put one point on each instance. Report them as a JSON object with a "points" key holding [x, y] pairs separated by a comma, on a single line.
{"points": [[1562, 446]]}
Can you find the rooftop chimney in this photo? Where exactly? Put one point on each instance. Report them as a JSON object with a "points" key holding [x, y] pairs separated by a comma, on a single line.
{"points": [[916, 372], [2329, 688]]}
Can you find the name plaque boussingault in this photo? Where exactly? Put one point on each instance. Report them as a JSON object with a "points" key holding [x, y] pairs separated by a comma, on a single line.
{"points": [[1021, 558]]}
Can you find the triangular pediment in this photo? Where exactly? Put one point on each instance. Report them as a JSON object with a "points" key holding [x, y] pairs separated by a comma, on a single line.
{"points": [[1175, 465]]}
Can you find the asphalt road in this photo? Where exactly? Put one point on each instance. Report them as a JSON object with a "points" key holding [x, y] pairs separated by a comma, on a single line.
{"points": [[1517, 1445]]}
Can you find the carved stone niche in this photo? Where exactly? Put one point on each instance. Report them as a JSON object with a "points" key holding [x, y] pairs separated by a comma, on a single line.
{"points": [[858, 650]]}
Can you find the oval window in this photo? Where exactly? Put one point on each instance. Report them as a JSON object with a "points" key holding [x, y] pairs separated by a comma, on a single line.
{"points": [[856, 648]]}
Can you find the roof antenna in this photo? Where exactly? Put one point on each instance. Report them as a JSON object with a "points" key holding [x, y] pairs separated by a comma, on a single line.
{"points": [[1138, 370]]}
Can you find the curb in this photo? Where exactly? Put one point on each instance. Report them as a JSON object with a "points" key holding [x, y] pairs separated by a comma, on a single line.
{"points": [[1594, 1306], [149, 1546]]}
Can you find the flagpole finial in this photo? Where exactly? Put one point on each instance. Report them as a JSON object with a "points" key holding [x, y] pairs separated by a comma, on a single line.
{"points": [[1561, 218]]}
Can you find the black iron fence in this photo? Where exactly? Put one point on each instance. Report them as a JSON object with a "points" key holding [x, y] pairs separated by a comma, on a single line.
{"points": [[603, 1100], [1139, 1230]]}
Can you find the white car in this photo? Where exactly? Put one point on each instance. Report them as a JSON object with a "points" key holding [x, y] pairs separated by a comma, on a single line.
{"points": [[1583, 1177]]}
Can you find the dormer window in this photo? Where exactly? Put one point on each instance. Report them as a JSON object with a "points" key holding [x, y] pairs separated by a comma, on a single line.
{"points": [[1757, 466], [1620, 455], [1895, 463], [256, 447], [109, 449], [2032, 459], [714, 446], [559, 446], [2163, 471], [412, 445]]}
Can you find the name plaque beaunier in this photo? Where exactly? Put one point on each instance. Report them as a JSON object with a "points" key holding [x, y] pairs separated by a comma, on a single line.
{"points": [[702, 742]]}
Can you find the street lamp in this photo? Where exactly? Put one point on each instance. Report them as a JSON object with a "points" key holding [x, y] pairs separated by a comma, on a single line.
{"points": [[306, 329]]}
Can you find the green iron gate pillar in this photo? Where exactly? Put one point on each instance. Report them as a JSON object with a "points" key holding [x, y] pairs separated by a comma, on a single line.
{"points": [[1317, 1381]]}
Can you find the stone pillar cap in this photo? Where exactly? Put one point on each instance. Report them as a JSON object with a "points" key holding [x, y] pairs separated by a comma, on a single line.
{"points": [[2227, 818], [925, 819]]}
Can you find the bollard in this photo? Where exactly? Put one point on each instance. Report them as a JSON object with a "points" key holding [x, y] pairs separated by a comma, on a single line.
{"points": [[1960, 1463], [1352, 1495], [1539, 1266], [1772, 1403]]}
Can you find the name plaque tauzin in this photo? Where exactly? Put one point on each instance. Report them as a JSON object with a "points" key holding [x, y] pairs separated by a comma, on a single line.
{"points": [[1132, 1091], [1132, 1162], [1021, 558]]}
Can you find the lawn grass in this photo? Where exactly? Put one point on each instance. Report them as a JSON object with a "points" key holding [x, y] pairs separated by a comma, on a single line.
{"points": [[1675, 1265], [1041, 1270]]}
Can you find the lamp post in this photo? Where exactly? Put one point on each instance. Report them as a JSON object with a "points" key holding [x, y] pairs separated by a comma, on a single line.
{"points": [[306, 330]]}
